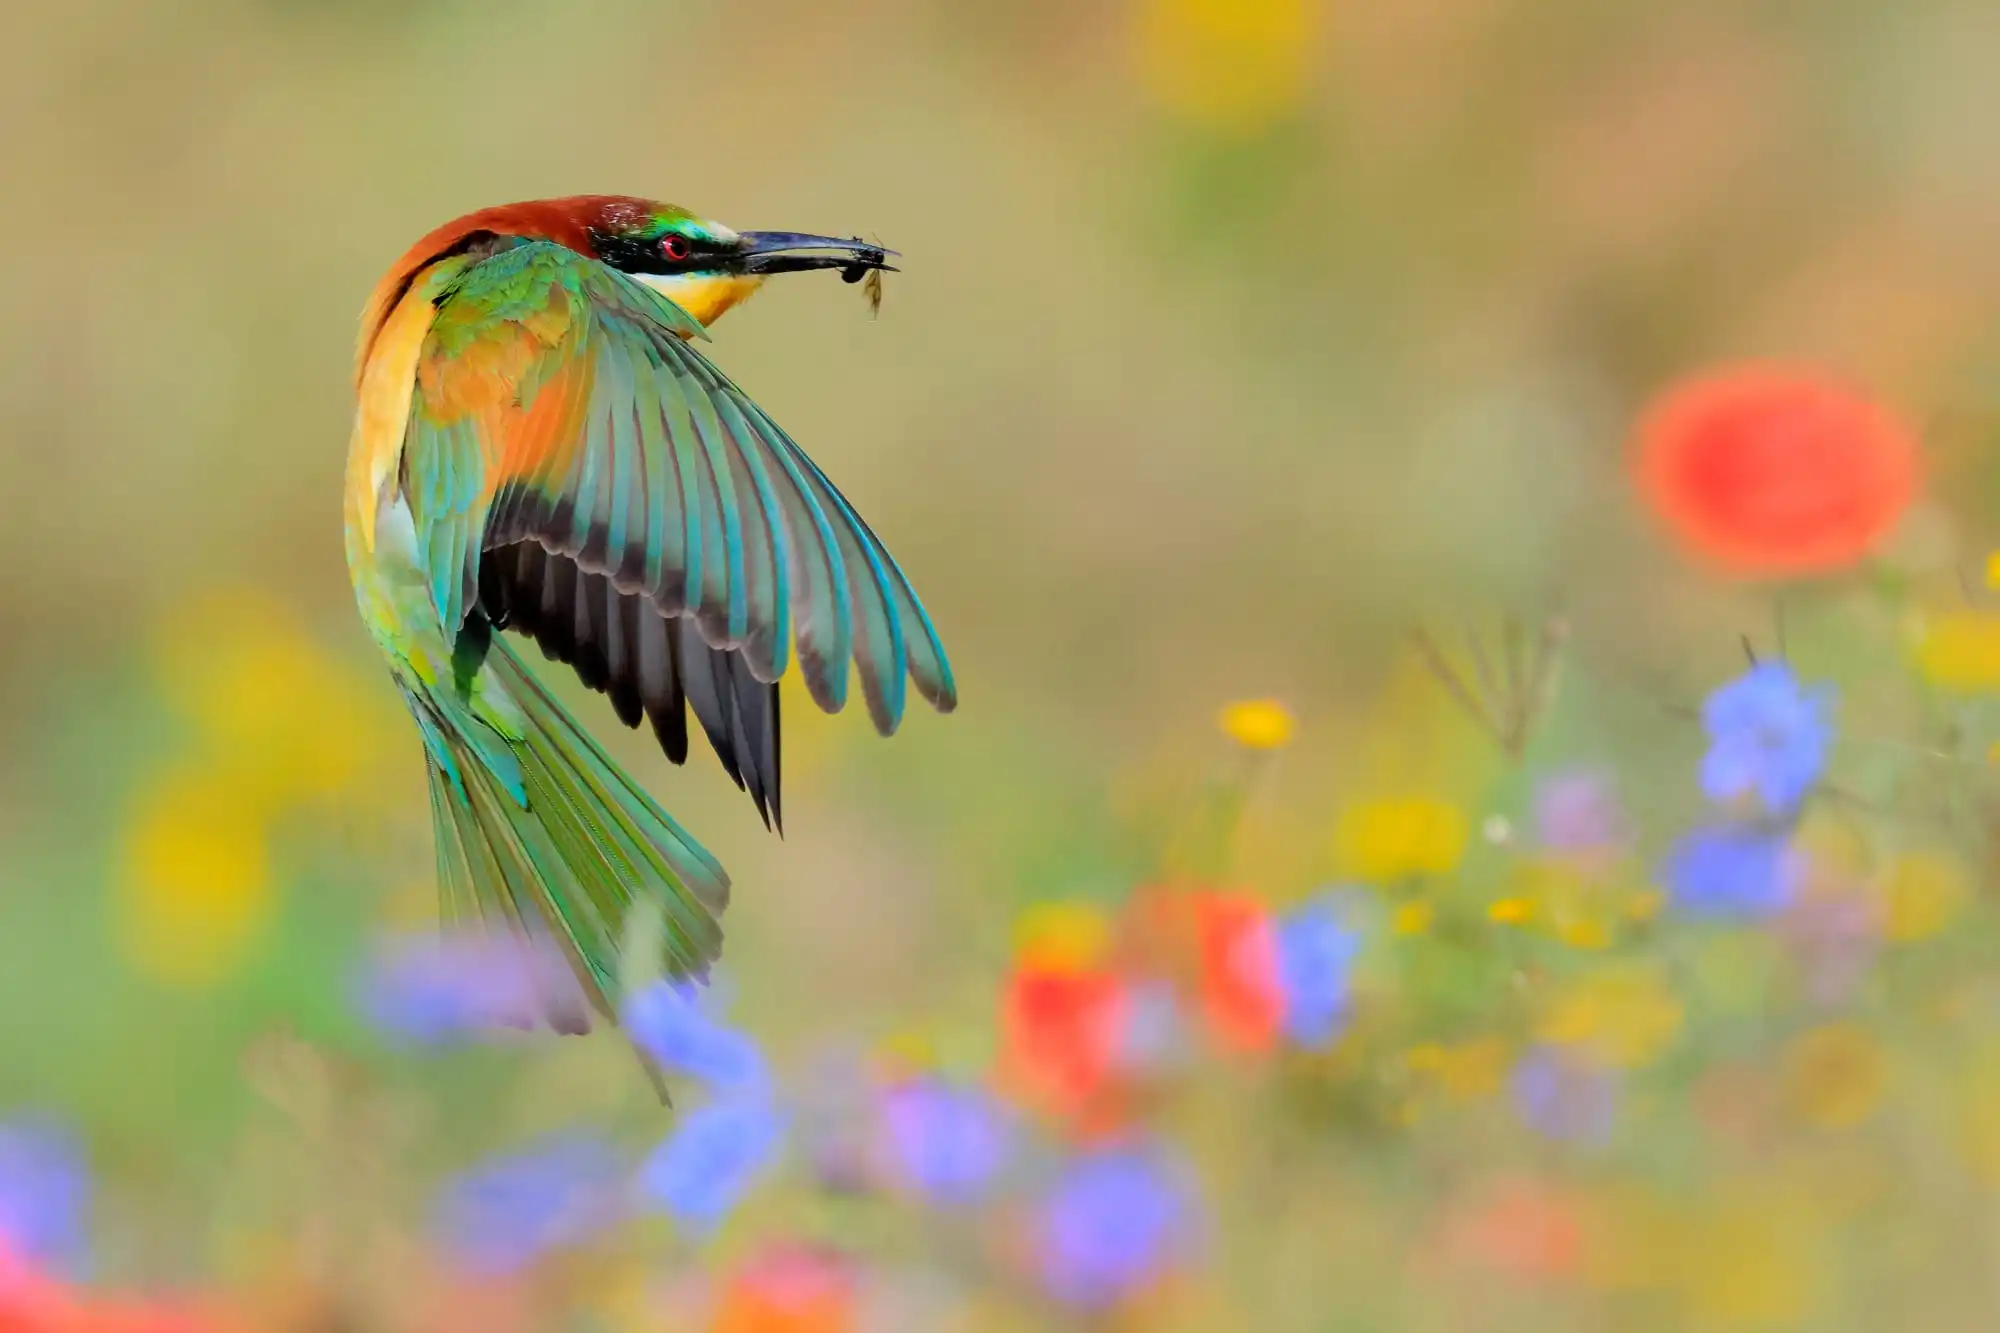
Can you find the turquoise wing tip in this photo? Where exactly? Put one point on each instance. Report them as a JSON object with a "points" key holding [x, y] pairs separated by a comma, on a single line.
{"points": [[943, 696]]}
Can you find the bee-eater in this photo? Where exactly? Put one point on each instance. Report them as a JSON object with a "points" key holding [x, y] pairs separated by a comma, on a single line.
{"points": [[539, 447]]}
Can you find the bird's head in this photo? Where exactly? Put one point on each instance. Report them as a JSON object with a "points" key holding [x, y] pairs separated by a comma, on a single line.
{"points": [[704, 267], [701, 266]]}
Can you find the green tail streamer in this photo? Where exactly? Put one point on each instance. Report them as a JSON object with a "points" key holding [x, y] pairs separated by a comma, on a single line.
{"points": [[566, 846]]}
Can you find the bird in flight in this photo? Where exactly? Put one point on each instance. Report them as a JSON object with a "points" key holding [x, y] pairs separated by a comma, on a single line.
{"points": [[540, 448]]}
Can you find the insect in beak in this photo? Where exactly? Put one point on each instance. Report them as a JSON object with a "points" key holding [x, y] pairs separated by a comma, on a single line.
{"points": [[870, 275]]}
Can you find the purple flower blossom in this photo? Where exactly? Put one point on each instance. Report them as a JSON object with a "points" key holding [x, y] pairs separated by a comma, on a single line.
{"points": [[1115, 1220], [1316, 952], [432, 990], [1565, 1099], [1730, 871], [44, 1193], [666, 1020], [1578, 814], [947, 1143], [504, 1214], [1769, 737], [714, 1155]]}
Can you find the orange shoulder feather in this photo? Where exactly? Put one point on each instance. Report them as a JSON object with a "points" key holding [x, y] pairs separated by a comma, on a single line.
{"points": [[566, 221]]}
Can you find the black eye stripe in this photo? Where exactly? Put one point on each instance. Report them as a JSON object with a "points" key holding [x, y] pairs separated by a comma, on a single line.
{"points": [[636, 254]]}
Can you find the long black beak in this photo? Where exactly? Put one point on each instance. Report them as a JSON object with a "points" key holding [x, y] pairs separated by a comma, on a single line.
{"points": [[795, 252]]}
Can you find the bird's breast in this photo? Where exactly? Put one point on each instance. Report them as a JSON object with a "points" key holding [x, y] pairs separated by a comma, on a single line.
{"points": [[382, 411]]}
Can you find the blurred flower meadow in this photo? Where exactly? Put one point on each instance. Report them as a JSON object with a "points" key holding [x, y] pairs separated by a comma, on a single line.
{"points": [[1479, 612], [1675, 1070]]}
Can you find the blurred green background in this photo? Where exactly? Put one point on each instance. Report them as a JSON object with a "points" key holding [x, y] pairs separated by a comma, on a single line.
{"points": [[1235, 337]]}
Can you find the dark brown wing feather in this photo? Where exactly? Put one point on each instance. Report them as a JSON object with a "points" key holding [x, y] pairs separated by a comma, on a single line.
{"points": [[652, 665]]}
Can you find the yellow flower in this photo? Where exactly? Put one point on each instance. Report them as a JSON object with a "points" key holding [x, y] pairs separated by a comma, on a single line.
{"points": [[1922, 894], [1624, 1016], [1258, 724], [1834, 1076], [1960, 650], [1511, 912], [272, 708], [1413, 918], [1395, 839], [1062, 936], [1993, 570], [195, 885], [1232, 65]]}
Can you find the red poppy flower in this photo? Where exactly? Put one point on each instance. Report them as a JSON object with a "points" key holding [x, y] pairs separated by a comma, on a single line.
{"points": [[30, 1299], [32, 1302], [788, 1290], [1061, 1029], [1242, 995], [1770, 472]]}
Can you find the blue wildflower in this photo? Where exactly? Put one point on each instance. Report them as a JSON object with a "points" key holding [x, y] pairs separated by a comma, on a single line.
{"points": [[1115, 1221], [1565, 1099], [714, 1155], [502, 1215], [948, 1143], [1730, 871], [44, 1194], [433, 990], [666, 1020], [1316, 952], [1768, 737]]}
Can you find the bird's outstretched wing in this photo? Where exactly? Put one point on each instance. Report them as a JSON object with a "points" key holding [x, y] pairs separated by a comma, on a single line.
{"points": [[578, 472]]}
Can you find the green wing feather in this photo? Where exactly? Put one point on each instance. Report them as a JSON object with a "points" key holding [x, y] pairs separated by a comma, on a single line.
{"points": [[676, 485]]}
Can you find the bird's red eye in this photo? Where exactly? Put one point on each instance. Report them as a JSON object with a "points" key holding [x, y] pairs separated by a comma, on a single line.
{"points": [[676, 248]]}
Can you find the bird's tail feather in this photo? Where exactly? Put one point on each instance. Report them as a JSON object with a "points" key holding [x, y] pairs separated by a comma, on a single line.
{"points": [[567, 853]]}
